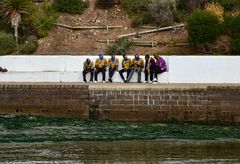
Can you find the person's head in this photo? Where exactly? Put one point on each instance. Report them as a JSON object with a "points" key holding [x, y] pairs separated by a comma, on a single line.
{"points": [[156, 56], [125, 57], [88, 60], [101, 56], [147, 57], [137, 57], [112, 56]]}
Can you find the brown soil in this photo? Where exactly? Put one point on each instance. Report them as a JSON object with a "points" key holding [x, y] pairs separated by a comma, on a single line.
{"points": [[64, 41]]}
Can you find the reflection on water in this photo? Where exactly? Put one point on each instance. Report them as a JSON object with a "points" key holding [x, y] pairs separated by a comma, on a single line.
{"points": [[122, 152]]}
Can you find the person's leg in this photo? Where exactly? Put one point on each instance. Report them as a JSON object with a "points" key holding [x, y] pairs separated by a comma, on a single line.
{"points": [[96, 74], [84, 75], [121, 74], [139, 75], [146, 75], [92, 73], [103, 74], [151, 74]]}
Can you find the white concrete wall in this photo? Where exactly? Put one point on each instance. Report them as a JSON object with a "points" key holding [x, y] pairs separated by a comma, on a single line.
{"points": [[181, 69]]}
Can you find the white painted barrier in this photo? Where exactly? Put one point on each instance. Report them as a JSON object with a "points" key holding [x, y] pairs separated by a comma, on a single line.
{"points": [[181, 69]]}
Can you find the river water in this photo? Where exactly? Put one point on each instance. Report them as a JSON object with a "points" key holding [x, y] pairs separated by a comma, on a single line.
{"points": [[172, 152]]}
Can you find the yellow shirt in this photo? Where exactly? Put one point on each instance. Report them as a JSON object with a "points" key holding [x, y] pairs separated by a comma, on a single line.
{"points": [[88, 66], [138, 63], [101, 63], [113, 64], [126, 64]]}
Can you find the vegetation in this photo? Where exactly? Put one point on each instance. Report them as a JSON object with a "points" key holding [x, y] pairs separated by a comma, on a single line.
{"points": [[40, 129], [106, 4], [12, 11], [236, 45], [121, 47], [7, 43], [203, 27], [70, 6], [30, 45]]}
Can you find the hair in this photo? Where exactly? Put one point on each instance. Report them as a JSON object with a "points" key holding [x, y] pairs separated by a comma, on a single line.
{"points": [[147, 56]]}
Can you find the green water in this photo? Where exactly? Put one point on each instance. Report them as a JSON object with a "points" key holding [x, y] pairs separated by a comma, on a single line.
{"points": [[45, 140], [40, 129]]}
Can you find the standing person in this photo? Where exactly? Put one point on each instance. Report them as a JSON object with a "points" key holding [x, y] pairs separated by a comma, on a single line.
{"points": [[138, 65], [113, 63], [160, 66], [149, 68], [126, 67], [88, 67], [100, 65]]}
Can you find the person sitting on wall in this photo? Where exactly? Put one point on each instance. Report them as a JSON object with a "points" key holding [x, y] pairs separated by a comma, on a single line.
{"points": [[100, 65], [88, 67], [149, 68], [126, 67], [161, 66], [113, 63], [137, 64], [3, 69]]}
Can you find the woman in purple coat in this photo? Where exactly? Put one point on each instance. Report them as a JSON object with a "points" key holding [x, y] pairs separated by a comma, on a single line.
{"points": [[160, 66]]}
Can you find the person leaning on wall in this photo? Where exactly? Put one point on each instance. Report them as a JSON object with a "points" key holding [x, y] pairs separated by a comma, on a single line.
{"points": [[137, 64], [100, 67], [126, 67], [161, 66], [149, 68], [88, 67], [113, 63]]}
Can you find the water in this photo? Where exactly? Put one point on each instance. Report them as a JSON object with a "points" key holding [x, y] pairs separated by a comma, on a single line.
{"points": [[46, 140], [173, 152]]}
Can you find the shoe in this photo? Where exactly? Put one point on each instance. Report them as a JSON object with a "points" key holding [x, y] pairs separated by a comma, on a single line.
{"points": [[139, 82], [104, 81], [91, 81], [95, 81], [154, 80], [110, 80], [125, 81], [84, 81], [145, 81]]}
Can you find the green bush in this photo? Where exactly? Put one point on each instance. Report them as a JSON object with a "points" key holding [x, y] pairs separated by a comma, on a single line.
{"points": [[6, 27], [105, 4], [203, 27], [30, 45], [229, 5], [121, 47], [232, 25], [236, 45], [142, 19], [135, 6], [70, 6], [7, 43]]}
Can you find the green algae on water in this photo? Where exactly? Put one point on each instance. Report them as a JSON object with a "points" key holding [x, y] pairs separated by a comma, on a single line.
{"points": [[41, 129]]}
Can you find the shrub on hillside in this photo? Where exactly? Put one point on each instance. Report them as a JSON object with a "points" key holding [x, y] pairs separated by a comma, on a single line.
{"points": [[135, 6], [229, 5], [4, 26], [162, 11], [121, 47], [190, 5], [141, 19], [236, 45], [105, 4], [217, 10], [30, 45], [203, 27], [232, 25], [70, 6], [7, 43]]}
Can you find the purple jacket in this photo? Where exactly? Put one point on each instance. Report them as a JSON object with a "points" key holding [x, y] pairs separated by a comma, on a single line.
{"points": [[161, 64]]}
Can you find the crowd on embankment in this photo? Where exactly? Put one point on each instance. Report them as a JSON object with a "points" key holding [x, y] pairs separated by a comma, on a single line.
{"points": [[151, 66]]}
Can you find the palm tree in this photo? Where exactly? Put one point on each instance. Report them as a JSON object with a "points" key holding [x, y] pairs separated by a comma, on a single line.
{"points": [[12, 11]]}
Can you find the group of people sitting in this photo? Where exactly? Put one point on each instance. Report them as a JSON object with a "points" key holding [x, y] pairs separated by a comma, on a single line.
{"points": [[151, 66]]}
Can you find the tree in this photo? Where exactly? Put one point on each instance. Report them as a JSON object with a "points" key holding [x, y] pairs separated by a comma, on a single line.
{"points": [[12, 11]]}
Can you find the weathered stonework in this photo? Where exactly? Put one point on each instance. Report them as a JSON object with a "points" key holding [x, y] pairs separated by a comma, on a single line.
{"points": [[132, 102]]}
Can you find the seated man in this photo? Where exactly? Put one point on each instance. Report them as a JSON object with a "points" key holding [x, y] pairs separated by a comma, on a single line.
{"points": [[126, 67], [149, 68], [113, 63], [100, 65], [137, 64], [88, 67], [160, 66]]}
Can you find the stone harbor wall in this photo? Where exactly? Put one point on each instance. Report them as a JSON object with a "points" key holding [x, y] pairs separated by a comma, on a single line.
{"points": [[127, 102]]}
